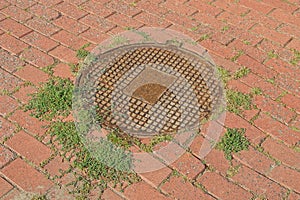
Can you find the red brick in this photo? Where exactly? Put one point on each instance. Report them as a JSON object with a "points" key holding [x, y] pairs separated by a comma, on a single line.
{"points": [[188, 165], [40, 41], [26, 177], [258, 6], [3, 4], [70, 25], [96, 8], [24, 4], [217, 160], [255, 160], [237, 85], [5, 157], [287, 83], [292, 102], [275, 109], [260, 185], [184, 21], [124, 21], [56, 166], [6, 129], [253, 52], [68, 39], [265, 20], [50, 3], [9, 62], [29, 147], [7, 105], [122, 7], [224, 63], [153, 7], [287, 177], [180, 189], [63, 70], [156, 177], [269, 46], [179, 7], [277, 130], [235, 20], [205, 8], [42, 26], [271, 34], [108, 194], [59, 192], [64, 54], [97, 22], [7, 81], [44, 12], [76, 2], [217, 48], [31, 124], [236, 9], [281, 15], [256, 67], [152, 20], [255, 81], [281, 4], [5, 187], [37, 57], [243, 35], [294, 44], [70, 10], [13, 194], [282, 152], [137, 191], [283, 67], [222, 38], [294, 196], [16, 13], [290, 30], [23, 94], [11, 44], [26, 74], [94, 35], [14, 27], [222, 188]]}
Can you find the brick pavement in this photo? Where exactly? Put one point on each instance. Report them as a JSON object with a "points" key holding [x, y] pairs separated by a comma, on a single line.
{"points": [[38, 33]]}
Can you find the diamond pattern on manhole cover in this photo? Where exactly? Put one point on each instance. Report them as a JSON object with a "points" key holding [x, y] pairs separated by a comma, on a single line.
{"points": [[152, 89]]}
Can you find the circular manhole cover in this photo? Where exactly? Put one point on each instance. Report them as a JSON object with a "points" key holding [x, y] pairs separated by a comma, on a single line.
{"points": [[144, 87]]}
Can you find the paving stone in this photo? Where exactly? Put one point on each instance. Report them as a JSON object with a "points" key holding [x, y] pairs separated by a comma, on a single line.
{"points": [[44, 12], [12, 44], [64, 54], [154, 178], [16, 13], [70, 10], [42, 25], [14, 27], [70, 25], [7, 105], [69, 40], [6, 156], [222, 188], [37, 57], [136, 191], [181, 189], [26, 74], [40, 41], [29, 147], [8, 81], [9, 62], [6, 129], [26, 177], [5, 187]]}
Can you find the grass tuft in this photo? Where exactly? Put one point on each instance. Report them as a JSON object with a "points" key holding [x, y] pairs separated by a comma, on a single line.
{"points": [[233, 141], [238, 101], [53, 99], [241, 72]]}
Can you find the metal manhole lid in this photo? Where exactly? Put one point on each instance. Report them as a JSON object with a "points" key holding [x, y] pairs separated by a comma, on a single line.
{"points": [[144, 87], [148, 89]]}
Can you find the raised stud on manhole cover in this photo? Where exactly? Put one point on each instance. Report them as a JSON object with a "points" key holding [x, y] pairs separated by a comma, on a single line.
{"points": [[143, 84]]}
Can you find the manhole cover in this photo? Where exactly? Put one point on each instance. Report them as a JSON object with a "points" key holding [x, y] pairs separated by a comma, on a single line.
{"points": [[144, 87]]}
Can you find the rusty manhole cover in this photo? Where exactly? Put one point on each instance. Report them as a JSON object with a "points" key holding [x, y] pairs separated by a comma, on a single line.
{"points": [[144, 88]]}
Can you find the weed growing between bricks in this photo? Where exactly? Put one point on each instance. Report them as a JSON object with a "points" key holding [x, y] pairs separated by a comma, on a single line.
{"points": [[52, 103]]}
